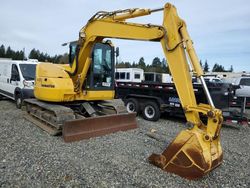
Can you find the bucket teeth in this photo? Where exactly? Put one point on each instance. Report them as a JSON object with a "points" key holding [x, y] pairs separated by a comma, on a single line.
{"points": [[189, 156]]}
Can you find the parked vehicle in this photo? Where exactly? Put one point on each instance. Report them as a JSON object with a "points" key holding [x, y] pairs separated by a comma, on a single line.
{"points": [[208, 79], [138, 75], [129, 74], [17, 79], [212, 79], [152, 99], [244, 89]]}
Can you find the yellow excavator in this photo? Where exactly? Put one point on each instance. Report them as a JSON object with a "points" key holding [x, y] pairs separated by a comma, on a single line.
{"points": [[72, 96]]}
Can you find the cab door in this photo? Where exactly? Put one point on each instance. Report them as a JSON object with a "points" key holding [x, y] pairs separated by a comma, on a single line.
{"points": [[14, 79], [102, 68], [99, 83]]}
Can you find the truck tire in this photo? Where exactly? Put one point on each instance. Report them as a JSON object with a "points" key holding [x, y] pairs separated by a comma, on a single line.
{"points": [[132, 105], [151, 111], [19, 101]]}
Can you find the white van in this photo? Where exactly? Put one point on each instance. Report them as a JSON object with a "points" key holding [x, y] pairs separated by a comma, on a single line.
{"points": [[17, 79]]}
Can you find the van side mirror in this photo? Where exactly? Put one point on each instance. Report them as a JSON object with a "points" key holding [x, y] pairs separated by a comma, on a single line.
{"points": [[117, 52]]}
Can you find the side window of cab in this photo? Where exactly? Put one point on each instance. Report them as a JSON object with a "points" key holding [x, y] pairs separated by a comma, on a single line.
{"points": [[14, 73]]}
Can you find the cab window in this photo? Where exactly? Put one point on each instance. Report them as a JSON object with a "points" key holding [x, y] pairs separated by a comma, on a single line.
{"points": [[14, 73], [102, 66], [72, 52]]}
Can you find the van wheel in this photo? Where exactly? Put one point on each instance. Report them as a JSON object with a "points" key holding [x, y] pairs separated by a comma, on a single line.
{"points": [[151, 111], [19, 101], [132, 105]]}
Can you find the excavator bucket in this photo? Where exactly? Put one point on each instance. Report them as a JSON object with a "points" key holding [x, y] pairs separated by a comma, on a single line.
{"points": [[190, 155], [79, 129]]}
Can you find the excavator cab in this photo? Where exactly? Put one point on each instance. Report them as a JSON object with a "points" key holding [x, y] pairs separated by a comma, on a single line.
{"points": [[101, 72]]}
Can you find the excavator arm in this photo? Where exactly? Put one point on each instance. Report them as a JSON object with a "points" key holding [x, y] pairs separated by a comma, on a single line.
{"points": [[194, 152]]}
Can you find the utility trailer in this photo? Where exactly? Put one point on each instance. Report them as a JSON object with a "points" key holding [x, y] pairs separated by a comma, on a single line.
{"points": [[154, 99]]}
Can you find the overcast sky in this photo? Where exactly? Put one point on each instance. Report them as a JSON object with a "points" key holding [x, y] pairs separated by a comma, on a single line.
{"points": [[220, 29]]}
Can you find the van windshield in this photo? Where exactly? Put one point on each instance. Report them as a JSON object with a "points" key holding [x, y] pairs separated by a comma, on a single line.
{"points": [[28, 71]]}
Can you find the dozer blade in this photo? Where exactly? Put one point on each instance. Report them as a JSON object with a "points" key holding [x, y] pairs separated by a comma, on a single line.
{"points": [[79, 129], [189, 155]]}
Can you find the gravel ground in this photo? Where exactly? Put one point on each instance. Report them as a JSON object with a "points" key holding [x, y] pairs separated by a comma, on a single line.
{"points": [[31, 158]]}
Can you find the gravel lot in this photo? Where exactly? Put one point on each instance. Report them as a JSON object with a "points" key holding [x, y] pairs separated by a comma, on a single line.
{"points": [[30, 157]]}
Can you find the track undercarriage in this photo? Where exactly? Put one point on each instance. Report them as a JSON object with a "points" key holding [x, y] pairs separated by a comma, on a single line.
{"points": [[78, 121]]}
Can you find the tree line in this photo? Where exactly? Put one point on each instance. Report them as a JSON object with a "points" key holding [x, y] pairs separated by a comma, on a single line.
{"points": [[34, 54], [216, 67], [157, 65], [161, 66], [9, 53]]}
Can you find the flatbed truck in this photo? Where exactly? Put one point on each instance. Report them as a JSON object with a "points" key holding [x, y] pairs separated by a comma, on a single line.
{"points": [[154, 99]]}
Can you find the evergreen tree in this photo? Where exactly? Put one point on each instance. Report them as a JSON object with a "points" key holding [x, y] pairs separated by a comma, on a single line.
{"points": [[156, 62], [231, 68], [163, 63], [17, 55], [206, 67], [2, 51], [121, 65], [35, 54], [64, 59], [201, 63], [141, 63], [218, 68], [127, 65], [165, 68], [9, 52], [134, 64]]}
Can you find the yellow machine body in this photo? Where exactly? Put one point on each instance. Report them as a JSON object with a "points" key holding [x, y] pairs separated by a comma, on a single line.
{"points": [[53, 84], [194, 152]]}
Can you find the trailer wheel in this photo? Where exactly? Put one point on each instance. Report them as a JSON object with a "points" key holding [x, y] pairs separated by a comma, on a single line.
{"points": [[132, 105], [151, 111], [19, 101]]}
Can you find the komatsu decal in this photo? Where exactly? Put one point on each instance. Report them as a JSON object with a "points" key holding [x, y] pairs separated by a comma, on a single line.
{"points": [[48, 85]]}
